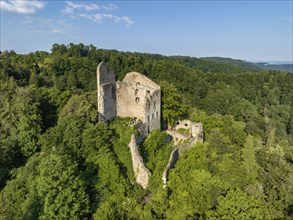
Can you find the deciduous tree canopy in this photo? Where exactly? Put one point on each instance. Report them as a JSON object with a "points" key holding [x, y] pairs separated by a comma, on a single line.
{"points": [[58, 162]]}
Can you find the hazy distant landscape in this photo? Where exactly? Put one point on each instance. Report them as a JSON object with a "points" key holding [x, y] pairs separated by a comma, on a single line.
{"points": [[283, 66], [272, 65]]}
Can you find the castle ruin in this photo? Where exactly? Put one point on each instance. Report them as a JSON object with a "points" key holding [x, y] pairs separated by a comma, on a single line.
{"points": [[136, 96]]}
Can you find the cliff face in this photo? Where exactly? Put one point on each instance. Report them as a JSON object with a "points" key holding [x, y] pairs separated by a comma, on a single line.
{"points": [[142, 174]]}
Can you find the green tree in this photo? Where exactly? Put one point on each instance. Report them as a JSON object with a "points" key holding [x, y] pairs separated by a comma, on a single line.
{"points": [[192, 193], [238, 205], [249, 163], [156, 151], [19, 198], [61, 190], [174, 105], [29, 122]]}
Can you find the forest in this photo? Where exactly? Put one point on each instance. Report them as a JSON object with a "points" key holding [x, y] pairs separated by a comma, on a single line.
{"points": [[58, 162]]}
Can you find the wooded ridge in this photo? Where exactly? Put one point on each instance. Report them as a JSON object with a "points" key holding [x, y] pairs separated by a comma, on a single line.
{"points": [[58, 162]]}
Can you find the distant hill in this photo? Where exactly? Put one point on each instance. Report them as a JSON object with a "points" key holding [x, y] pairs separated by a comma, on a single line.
{"points": [[214, 66], [280, 67], [251, 66], [233, 62]]}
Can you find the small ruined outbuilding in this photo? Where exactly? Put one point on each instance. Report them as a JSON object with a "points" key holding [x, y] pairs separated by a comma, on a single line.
{"points": [[194, 130], [193, 135]]}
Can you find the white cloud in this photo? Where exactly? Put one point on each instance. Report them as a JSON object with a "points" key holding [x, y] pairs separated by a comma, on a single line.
{"points": [[83, 15], [100, 17], [81, 10], [22, 6], [71, 7], [128, 21], [58, 31], [42, 25], [109, 7]]}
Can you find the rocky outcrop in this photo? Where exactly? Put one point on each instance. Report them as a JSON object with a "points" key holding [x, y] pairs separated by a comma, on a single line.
{"points": [[142, 174]]}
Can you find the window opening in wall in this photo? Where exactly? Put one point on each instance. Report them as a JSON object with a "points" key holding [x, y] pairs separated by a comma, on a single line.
{"points": [[148, 92], [136, 91], [148, 118], [137, 100], [154, 104], [186, 125], [137, 83], [157, 114], [152, 116]]}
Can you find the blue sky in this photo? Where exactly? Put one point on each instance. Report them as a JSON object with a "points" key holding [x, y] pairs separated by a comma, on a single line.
{"points": [[248, 30]]}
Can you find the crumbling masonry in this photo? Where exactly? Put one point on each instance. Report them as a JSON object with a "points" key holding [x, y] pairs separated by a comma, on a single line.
{"points": [[136, 96], [140, 98]]}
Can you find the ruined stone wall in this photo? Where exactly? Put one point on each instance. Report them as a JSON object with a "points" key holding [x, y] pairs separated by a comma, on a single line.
{"points": [[196, 135], [197, 132], [186, 124], [138, 78], [106, 93], [171, 163], [142, 174], [153, 110], [130, 100], [136, 96], [139, 97], [195, 129]]}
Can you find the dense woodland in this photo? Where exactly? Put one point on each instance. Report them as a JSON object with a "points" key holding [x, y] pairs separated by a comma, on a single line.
{"points": [[58, 162]]}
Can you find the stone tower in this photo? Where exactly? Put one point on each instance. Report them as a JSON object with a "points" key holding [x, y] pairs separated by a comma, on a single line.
{"points": [[136, 96], [139, 97], [106, 93]]}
